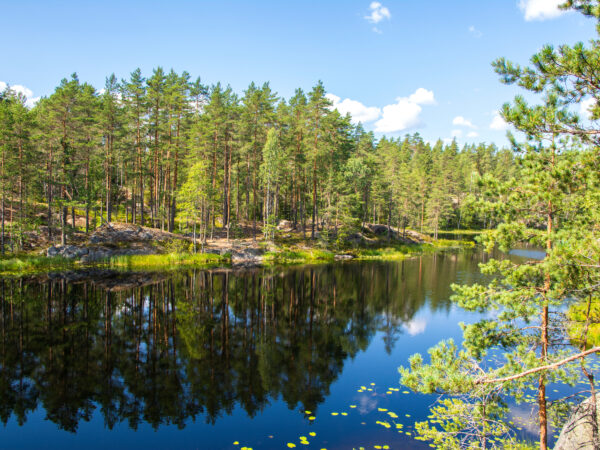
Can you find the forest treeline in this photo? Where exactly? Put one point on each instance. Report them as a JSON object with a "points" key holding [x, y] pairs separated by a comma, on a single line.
{"points": [[167, 151]]}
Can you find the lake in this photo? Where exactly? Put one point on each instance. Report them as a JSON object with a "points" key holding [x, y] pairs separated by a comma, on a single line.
{"points": [[223, 359]]}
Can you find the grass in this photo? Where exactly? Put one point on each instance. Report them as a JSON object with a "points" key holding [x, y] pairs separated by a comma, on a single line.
{"points": [[294, 255], [31, 264], [452, 244], [167, 261], [459, 232], [388, 253], [286, 257]]}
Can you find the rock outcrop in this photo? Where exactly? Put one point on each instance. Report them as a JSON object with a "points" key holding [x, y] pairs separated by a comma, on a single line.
{"points": [[117, 239], [285, 225], [91, 254], [580, 431], [246, 256], [120, 233]]}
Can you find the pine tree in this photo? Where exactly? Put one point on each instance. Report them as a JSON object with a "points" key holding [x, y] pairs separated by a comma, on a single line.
{"points": [[547, 204]]}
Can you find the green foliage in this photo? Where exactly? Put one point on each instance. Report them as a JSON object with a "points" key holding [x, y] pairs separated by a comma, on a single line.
{"points": [[165, 151], [27, 264], [297, 256], [454, 422], [170, 261], [550, 203]]}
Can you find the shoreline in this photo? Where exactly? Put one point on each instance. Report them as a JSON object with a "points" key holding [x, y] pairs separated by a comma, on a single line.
{"points": [[257, 255]]}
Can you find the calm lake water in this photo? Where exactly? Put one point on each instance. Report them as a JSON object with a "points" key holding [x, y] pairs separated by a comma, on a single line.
{"points": [[203, 359]]}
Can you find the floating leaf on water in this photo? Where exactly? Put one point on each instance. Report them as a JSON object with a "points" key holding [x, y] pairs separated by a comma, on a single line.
{"points": [[369, 389], [307, 412], [236, 443], [372, 384], [334, 414], [393, 415], [386, 447], [352, 406], [312, 418], [406, 392], [389, 392], [291, 444], [377, 446], [407, 415], [363, 387], [344, 414], [381, 409], [312, 433], [303, 438]]}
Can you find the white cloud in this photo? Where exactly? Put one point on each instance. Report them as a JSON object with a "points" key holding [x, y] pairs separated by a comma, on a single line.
{"points": [[585, 106], [472, 134], [405, 113], [20, 89], [358, 111], [399, 116], [402, 115], [422, 97], [378, 13], [541, 9], [475, 32], [498, 122], [462, 122], [416, 326]]}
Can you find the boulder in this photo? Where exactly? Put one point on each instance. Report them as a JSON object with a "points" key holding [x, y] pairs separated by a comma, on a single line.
{"points": [[67, 251], [355, 238], [380, 230], [90, 254], [343, 257], [285, 225], [415, 237], [248, 256], [578, 432]]}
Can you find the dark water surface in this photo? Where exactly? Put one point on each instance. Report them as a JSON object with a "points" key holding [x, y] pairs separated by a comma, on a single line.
{"points": [[201, 359]]}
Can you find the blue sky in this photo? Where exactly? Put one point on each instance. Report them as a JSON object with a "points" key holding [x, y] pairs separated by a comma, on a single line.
{"points": [[400, 65]]}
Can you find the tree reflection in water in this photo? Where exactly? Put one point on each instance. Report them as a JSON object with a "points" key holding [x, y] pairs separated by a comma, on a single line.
{"points": [[166, 349]]}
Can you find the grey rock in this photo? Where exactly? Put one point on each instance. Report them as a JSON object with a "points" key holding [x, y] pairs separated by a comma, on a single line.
{"points": [[90, 254], [67, 251], [578, 432], [285, 225], [246, 256], [343, 257], [380, 230]]}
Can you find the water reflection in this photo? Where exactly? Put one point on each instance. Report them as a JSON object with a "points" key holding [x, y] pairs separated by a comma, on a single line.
{"points": [[195, 345]]}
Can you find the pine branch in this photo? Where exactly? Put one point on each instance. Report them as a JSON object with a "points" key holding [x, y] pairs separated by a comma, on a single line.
{"points": [[541, 368]]}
